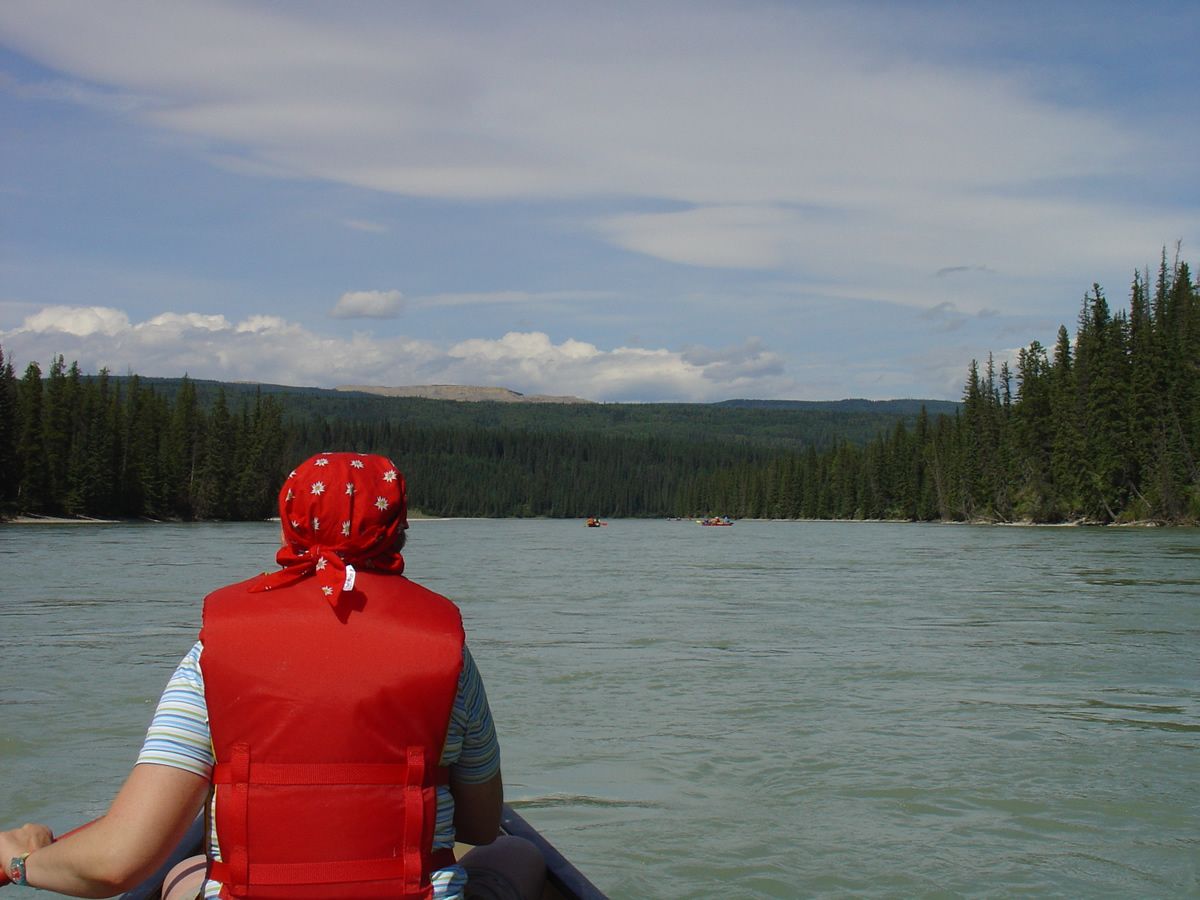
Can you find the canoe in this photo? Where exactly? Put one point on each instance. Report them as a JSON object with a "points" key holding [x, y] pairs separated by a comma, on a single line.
{"points": [[563, 880]]}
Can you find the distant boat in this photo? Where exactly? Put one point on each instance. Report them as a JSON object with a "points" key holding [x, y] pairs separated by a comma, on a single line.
{"points": [[593, 522], [716, 521]]}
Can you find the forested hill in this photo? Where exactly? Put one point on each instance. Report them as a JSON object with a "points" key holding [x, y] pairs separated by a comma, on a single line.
{"points": [[1102, 427], [796, 424], [104, 445], [897, 407]]}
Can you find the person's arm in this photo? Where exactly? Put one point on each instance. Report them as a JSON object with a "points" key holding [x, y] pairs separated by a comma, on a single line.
{"points": [[120, 849], [475, 781], [477, 809], [176, 760]]}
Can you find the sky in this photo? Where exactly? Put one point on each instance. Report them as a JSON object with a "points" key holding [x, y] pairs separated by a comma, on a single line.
{"points": [[624, 202]]}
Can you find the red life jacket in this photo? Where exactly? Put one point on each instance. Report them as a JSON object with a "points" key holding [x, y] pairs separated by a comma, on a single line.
{"points": [[328, 727]]}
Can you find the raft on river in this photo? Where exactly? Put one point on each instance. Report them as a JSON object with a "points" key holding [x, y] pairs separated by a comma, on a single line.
{"points": [[563, 880]]}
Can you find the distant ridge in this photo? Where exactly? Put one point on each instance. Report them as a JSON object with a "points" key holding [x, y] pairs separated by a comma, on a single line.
{"points": [[905, 408], [902, 407], [762, 425], [461, 392]]}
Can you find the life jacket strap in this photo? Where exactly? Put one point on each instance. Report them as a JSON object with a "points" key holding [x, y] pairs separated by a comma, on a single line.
{"points": [[237, 873], [324, 773]]}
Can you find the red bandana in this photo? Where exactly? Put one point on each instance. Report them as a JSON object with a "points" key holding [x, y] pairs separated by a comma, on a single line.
{"points": [[339, 510]]}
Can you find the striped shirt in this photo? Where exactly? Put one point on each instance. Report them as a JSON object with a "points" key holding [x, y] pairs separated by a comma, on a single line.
{"points": [[178, 736]]}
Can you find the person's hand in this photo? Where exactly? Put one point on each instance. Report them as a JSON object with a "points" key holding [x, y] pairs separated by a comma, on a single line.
{"points": [[26, 839]]}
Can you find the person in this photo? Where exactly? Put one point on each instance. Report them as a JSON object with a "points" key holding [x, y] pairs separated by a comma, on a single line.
{"points": [[330, 722]]}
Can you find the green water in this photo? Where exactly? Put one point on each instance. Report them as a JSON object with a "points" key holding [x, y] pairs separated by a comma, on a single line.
{"points": [[768, 710]]}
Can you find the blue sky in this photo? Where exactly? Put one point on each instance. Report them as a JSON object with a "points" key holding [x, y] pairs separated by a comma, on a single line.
{"points": [[621, 201]]}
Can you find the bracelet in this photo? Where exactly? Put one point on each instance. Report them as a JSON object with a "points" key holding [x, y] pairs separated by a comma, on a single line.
{"points": [[16, 869]]}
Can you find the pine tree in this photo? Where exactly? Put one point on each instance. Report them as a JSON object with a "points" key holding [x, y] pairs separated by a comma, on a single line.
{"points": [[926, 498], [215, 486], [10, 429], [1067, 443], [1033, 435], [1100, 376], [34, 491], [1008, 468], [90, 471], [980, 443], [1183, 387], [1191, 375], [181, 451], [58, 417], [260, 474], [1146, 437]]}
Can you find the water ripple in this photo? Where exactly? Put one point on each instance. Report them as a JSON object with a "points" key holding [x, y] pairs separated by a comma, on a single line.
{"points": [[550, 801]]}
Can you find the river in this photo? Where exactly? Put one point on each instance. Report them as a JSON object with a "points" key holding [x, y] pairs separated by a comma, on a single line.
{"points": [[777, 709]]}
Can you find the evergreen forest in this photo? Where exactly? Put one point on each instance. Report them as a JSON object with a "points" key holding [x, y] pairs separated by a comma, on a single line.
{"points": [[1101, 427]]}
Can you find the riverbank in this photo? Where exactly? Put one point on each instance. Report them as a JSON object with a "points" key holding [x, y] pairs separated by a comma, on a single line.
{"points": [[33, 519], [417, 516], [27, 519]]}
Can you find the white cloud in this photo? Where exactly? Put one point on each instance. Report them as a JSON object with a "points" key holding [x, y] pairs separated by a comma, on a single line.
{"points": [[369, 305], [267, 325], [747, 362], [273, 350], [508, 298], [707, 106], [78, 321], [729, 236], [365, 225], [176, 323], [63, 91], [581, 368], [1018, 238], [870, 159], [794, 138], [950, 271]]}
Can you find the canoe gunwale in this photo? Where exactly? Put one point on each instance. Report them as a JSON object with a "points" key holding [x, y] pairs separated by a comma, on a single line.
{"points": [[562, 875]]}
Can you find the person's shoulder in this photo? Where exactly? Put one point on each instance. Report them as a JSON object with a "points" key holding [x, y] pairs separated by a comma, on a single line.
{"points": [[394, 583], [413, 591], [418, 588], [238, 588]]}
